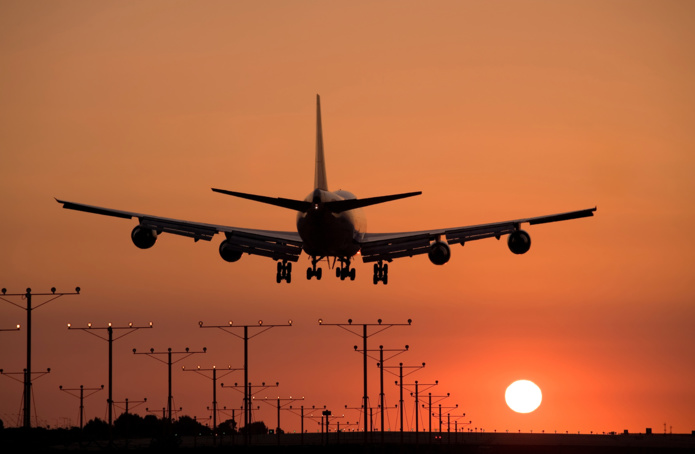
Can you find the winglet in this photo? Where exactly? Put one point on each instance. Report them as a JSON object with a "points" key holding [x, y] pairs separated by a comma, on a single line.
{"points": [[320, 180]]}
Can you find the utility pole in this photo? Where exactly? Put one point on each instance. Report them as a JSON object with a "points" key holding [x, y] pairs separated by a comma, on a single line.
{"points": [[27, 376], [153, 354], [349, 327], [81, 396], [228, 329]]}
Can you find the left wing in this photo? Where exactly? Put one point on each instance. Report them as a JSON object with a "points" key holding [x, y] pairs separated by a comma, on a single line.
{"points": [[275, 244], [388, 246]]}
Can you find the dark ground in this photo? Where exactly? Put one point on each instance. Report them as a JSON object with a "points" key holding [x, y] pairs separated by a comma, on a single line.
{"points": [[42, 440]]}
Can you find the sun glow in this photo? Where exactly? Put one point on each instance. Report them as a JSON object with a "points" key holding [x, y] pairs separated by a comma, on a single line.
{"points": [[523, 396]]}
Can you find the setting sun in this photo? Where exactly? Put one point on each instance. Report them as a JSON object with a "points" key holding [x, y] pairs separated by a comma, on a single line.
{"points": [[523, 396]]}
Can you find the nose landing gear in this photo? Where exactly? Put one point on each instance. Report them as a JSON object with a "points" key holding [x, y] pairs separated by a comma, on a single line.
{"points": [[313, 271], [345, 271], [381, 272]]}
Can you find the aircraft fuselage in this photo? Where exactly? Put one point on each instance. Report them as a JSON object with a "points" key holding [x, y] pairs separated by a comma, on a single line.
{"points": [[328, 234]]}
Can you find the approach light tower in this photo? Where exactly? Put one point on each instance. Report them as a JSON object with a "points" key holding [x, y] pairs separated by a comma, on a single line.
{"points": [[185, 354], [228, 329], [365, 335], [94, 330], [27, 374]]}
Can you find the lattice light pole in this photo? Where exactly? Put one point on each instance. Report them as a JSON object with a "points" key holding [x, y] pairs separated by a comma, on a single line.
{"points": [[28, 374], [94, 331], [153, 354], [214, 377], [228, 329], [365, 335], [82, 397]]}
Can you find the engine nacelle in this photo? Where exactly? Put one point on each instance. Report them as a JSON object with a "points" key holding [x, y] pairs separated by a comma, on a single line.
{"points": [[519, 242], [439, 253], [227, 254], [142, 237]]}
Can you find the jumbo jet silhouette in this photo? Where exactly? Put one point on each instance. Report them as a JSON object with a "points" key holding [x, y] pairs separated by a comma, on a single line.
{"points": [[330, 225]]}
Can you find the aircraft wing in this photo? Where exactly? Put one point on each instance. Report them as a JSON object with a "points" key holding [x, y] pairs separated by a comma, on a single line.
{"points": [[388, 246], [275, 244]]}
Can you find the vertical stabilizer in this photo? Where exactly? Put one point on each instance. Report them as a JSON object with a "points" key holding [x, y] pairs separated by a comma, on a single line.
{"points": [[320, 180]]}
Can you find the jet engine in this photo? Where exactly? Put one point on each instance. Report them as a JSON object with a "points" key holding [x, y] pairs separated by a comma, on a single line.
{"points": [[439, 253], [227, 253], [142, 237], [519, 242]]}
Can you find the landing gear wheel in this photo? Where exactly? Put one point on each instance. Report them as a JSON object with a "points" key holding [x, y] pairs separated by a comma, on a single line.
{"points": [[381, 273], [318, 274], [284, 272], [309, 273], [352, 274]]}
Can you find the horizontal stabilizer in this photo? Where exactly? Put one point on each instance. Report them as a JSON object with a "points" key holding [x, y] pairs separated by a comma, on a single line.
{"points": [[297, 205], [338, 206]]}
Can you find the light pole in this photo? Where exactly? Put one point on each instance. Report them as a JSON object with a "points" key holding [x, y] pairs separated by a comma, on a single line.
{"points": [[416, 394], [280, 404], [365, 335], [153, 354], [399, 382], [27, 376], [438, 399], [81, 396], [200, 371], [228, 329], [380, 362], [95, 331]]}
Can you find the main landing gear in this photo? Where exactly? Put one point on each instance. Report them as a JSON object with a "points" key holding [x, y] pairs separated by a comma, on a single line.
{"points": [[313, 271], [284, 272], [381, 272], [345, 271]]}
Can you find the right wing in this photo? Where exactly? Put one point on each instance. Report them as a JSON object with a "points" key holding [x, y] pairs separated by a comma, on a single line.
{"points": [[388, 246], [277, 245]]}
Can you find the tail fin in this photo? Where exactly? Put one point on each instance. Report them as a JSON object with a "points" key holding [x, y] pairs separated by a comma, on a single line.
{"points": [[320, 180]]}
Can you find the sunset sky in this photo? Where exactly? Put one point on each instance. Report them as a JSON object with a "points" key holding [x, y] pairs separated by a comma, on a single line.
{"points": [[495, 110]]}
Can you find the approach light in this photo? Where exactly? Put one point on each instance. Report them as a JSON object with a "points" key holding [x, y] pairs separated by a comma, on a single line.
{"points": [[53, 290], [349, 321], [130, 325], [290, 322], [109, 324], [150, 324], [379, 321], [260, 322], [205, 349], [200, 323], [77, 289], [410, 321], [4, 290], [68, 326], [89, 325], [320, 320]]}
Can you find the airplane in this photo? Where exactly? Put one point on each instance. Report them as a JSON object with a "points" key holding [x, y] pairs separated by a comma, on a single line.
{"points": [[330, 225]]}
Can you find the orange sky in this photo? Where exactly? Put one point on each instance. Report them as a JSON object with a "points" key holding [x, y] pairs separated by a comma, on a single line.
{"points": [[495, 110]]}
